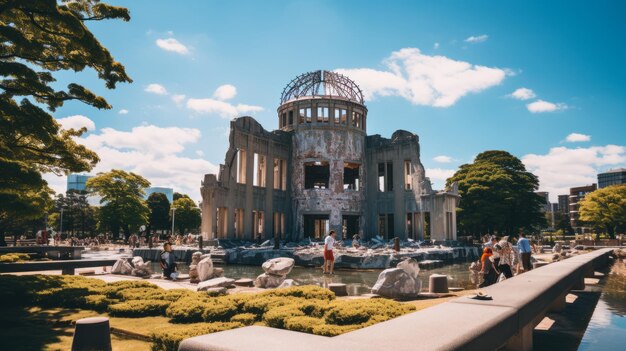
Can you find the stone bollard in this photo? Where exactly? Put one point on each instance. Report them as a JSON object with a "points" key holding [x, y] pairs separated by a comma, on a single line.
{"points": [[396, 244], [540, 264], [438, 283], [92, 334], [339, 289]]}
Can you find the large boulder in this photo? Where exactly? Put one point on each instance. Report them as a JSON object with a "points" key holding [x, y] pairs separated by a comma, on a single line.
{"points": [[215, 283], [141, 268], [205, 269], [268, 281], [280, 266], [400, 282], [122, 267], [193, 267]]}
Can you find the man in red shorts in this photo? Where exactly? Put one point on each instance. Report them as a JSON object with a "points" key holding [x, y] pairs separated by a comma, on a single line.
{"points": [[329, 258]]}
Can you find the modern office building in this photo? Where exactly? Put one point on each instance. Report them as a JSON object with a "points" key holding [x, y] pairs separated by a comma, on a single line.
{"points": [[575, 196], [320, 171], [169, 192], [564, 204], [77, 181], [612, 177]]}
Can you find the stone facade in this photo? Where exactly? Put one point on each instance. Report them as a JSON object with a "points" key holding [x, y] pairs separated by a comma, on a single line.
{"points": [[320, 171]]}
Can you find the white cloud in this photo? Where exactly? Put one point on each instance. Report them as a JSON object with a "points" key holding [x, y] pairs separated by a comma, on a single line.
{"points": [[151, 151], [436, 46], [424, 80], [523, 94], [477, 39], [123, 111], [576, 137], [225, 92], [200, 153], [540, 106], [442, 159], [178, 98], [76, 122], [173, 45], [217, 104], [440, 174], [563, 168], [156, 89]]}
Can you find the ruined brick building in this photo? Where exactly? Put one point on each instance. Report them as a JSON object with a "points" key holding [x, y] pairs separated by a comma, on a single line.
{"points": [[320, 171]]}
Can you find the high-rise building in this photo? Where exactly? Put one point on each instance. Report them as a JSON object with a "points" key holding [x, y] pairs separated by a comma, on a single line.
{"points": [[545, 195], [564, 204], [77, 182], [169, 192], [612, 177], [575, 196]]}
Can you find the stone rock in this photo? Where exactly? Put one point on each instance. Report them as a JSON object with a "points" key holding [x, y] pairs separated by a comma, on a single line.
{"points": [[193, 267], [215, 283], [410, 266], [339, 289], [141, 268], [218, 272], [268, 281], [287, 283], [205, 269], [280, 266], [396, 283], [246, 282], [122, 267], [557, 248]]}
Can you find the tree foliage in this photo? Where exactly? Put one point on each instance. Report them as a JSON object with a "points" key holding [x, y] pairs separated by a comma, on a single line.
{"points": [[497, 195], [78, 214], [187, 215], [38, 38], [159, 211], [605, 208], [122, 198]]}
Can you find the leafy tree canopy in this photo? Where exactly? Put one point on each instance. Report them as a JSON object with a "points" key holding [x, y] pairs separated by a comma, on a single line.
{"points": [[159, 211], [606, 208], [497, 195], [122, 198], [187, 215]]}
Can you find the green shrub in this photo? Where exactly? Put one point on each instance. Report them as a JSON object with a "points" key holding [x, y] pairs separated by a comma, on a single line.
{"points": [[346, 315], [112, 289], [360, 311], [186, 310], [305, 292], [303, 324], [315, 308], [168, 338], [61, 297], [244, 318], [98, 303], [216, 311], [14, 257], [262, 303], [333, 330], [139, 308], [275, 317]]}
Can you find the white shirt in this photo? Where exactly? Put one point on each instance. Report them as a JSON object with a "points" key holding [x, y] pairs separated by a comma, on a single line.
{"points": [[329, 241]]}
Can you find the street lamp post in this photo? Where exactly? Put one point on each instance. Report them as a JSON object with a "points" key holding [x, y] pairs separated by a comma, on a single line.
{"points": [[173, 219], [61, 228]]}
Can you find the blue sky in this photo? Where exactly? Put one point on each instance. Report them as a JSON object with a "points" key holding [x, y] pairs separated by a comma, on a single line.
{"points": [[445, 70]]}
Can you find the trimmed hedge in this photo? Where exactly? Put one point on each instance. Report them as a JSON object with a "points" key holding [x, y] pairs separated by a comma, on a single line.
{"points": [[14, 257], [303, 324], [139, 308], [169, 338], [244, 318]]}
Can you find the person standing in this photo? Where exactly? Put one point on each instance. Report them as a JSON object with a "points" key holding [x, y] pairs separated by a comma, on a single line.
{"points": [[329, 258], [523, 246], [488, 268], [506, 257]]}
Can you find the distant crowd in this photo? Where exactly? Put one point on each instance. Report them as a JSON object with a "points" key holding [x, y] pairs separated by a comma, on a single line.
{"points": [[502, 257]]}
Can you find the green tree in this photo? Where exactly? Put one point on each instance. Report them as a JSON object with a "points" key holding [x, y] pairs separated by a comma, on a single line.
{"points": [[178, 195], [78, 214], [37, 38], [122, 198], [605, 208], [187, 215], [159, 212], [497, 195]]}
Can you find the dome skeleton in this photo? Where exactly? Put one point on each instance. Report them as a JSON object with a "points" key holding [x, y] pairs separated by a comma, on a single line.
{"points": [[322, 83]]}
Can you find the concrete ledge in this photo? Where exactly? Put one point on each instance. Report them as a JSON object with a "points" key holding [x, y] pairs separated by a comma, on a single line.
{"points": [[67, 266], [462, 324]]}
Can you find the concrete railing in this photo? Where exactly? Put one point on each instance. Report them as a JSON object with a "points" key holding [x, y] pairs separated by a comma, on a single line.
{"points": [[66, 266], [518, 305]]}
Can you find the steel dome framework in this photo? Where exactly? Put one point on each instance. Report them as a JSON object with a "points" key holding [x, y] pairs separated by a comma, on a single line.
{"points": [[322, 83]]}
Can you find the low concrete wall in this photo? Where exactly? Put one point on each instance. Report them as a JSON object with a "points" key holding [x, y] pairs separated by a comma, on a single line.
{"points": [[52, 252], [462, 324], [67, 266]]}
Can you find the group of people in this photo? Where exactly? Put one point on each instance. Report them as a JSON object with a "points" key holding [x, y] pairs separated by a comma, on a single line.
{"points": [[499, 257]]}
